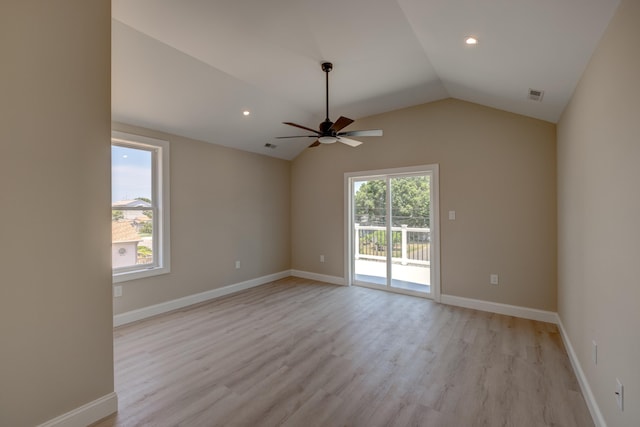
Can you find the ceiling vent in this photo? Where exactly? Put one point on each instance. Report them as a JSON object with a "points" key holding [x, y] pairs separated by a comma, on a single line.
{"points": [[536, 95]]}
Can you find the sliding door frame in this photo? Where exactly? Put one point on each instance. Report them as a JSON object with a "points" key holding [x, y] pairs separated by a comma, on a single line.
{"points": [[432, 170]]}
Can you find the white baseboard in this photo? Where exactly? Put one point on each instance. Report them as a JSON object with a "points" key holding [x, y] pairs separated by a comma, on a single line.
{"points": [[86, 414], [319, 277], [594, 409], [153, 310], [496, 307]]}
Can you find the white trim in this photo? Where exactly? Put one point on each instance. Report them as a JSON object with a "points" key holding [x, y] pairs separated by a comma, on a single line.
{"points": [[319, 277], [126, 276], [86, 414], [393, 290], [348, 236], [435, 232], [154, 310], [496, 307], [393, 171], [592, 404]]}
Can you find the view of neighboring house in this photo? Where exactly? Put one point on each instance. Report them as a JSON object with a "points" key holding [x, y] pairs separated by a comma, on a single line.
{"points": [[130, 229], [136, 203], [131, 214], [124, 244]]}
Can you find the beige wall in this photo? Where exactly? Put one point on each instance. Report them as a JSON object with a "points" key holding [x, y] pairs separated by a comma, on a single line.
{"points": [[226, 205], [56, 347], [497, 171], [598, 217]]}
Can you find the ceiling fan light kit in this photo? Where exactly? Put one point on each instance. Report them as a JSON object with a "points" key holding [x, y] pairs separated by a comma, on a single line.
{"points": [[329, 132], [327, 139]]}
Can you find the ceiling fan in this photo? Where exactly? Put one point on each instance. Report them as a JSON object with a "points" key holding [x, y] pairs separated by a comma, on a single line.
{"points": [[329, 132]]}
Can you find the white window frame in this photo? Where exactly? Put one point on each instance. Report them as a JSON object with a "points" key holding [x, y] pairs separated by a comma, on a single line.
{"points": [[161, 222]]}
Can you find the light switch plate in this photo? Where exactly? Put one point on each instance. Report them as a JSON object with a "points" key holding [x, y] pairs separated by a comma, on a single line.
{"points": [[452, 215]]}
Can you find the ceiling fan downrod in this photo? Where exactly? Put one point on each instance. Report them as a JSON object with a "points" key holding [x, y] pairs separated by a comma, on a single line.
{"points": [[326, 67]]}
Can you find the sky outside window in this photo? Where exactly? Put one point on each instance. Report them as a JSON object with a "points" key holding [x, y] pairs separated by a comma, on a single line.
{"points": [[130, 173]]}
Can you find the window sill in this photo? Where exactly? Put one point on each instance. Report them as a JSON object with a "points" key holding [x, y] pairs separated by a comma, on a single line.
{"points": [[125, 276]]}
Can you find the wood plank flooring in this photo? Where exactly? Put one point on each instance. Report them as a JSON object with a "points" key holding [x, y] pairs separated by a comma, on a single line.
{"points": [[301, 353]]}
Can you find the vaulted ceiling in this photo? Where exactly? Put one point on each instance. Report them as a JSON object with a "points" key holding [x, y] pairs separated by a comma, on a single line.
{"points": [[191, 67]]}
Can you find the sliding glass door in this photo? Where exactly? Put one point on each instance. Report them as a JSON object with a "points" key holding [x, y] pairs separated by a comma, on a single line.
{"points": [[391, 217], [370, 230]]}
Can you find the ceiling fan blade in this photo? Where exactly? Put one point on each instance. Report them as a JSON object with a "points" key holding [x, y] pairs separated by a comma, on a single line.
{"points": [[341, 123], [372, 132], [297, 136], [315, 144], [349, 142], [302, 127]]}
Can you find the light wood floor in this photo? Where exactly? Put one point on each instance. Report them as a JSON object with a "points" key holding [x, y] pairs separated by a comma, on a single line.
{"points": [[301, 353]]}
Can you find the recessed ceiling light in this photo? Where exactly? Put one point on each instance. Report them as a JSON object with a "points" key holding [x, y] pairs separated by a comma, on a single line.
{"points": [[471, 41], [246, 112]]}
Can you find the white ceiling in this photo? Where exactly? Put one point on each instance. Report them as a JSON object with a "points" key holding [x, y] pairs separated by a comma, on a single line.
{"points": [[190, 67]]}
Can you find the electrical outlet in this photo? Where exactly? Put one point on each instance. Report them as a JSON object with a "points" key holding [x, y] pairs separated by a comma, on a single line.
{"points": [[493, 279], [321, 258], [117, 291], [237, 264], [595, 352], [619, 395]]}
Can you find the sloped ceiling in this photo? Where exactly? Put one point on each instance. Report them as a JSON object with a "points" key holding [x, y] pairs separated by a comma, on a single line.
{"points": [[191, 67]]}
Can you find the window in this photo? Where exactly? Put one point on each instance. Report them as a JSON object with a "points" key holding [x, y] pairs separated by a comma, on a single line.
{"points": [[139, 206]]}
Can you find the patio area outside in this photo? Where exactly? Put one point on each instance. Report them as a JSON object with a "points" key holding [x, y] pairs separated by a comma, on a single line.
{"points": [[409, 277]]}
